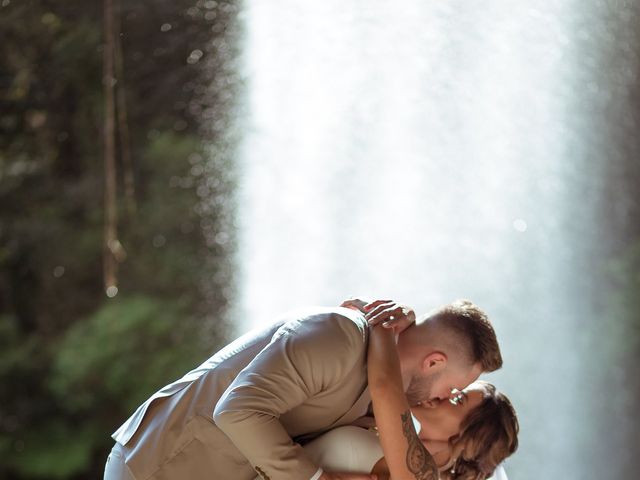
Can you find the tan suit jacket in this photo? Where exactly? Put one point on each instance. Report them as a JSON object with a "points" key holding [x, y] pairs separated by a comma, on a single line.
{"points": [[240, 409]]}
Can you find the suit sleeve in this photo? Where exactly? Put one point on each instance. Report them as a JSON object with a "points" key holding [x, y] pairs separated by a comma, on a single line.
{"points": [[304, 358]]}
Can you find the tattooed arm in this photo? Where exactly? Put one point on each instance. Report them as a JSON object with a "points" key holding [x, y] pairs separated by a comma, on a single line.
{"points": [[405, 454]]}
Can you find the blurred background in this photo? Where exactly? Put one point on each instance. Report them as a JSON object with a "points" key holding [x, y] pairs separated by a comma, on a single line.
{"points": [[175, 173]]}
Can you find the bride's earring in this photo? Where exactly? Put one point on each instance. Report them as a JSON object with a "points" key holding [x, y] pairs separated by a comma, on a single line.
{"points": [[453, 467]]}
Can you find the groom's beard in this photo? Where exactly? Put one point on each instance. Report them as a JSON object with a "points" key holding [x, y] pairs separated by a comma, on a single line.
{"points": [[420, 387]]}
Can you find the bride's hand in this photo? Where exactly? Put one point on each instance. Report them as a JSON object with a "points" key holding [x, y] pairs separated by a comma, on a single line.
{"points": [[390, 314], [355, 303]]}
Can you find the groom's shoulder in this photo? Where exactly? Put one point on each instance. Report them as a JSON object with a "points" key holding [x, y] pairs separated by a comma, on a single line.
{"points": [[327, 322], [334, 315]]}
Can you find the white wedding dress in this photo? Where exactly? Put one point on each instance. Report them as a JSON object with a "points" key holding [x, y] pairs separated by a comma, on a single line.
{"points": [[352, 449]]}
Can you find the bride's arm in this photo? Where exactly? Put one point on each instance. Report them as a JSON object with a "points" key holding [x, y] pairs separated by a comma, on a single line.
{"points": [[405, 454]]}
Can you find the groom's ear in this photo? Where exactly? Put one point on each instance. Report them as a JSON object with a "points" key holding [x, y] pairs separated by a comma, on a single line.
{"points": [[434, 362]]}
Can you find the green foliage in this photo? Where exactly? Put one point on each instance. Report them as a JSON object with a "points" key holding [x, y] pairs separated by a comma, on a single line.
{"points": [[165, 241], [128, 349], [74, 364], [94, 377], [55, 450], [101, 370]]}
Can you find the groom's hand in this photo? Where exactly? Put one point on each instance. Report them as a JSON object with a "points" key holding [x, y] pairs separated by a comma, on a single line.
{"points": [[390, 314], [347, 476]]}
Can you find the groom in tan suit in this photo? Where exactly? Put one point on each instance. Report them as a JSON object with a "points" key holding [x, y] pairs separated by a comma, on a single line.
{"points": [[238, 413]]}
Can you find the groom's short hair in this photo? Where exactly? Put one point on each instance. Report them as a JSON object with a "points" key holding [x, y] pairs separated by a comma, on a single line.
{"points": [[472, 328]]}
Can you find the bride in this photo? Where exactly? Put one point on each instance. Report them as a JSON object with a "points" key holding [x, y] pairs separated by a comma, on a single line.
{"points": [[466, 438], [487, 434]]}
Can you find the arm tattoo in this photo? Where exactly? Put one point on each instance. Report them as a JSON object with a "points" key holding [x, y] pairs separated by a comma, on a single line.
{"points": [[419, 460]]}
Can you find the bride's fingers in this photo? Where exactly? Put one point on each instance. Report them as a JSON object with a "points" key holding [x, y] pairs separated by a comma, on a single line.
{"points": [[387, 316], [376, 308], [379, 313], [374, 304]]}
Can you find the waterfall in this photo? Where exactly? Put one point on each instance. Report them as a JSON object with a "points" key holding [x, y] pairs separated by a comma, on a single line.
{"points": [[426, 151]]}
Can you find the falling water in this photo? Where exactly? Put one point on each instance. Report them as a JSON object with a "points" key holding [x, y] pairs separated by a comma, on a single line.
{"points": [[425, 151]]}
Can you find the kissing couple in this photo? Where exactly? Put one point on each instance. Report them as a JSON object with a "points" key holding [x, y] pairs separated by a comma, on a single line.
{"points": [[362, 391]]}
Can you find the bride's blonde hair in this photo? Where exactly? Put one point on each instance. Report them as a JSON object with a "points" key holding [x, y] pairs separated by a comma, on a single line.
{"points": [[488, 435]]}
